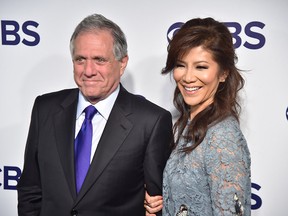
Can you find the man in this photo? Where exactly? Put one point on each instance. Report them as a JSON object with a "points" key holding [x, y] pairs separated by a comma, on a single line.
{"points": [[130, 142]]}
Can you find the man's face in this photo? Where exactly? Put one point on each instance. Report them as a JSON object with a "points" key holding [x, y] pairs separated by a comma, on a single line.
{"points": [[96, 71]]}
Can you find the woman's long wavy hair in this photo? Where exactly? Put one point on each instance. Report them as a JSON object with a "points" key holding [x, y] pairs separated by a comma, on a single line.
{"points": [[215, 38]]}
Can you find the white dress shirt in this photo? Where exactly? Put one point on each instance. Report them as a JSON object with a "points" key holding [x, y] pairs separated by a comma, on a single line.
{"points": [[104, 108]]}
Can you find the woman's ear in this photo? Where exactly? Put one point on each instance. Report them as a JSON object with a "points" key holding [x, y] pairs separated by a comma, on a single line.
{"points": [[223, 76]]}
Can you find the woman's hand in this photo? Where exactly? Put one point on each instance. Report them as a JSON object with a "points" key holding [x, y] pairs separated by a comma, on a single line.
{"points": [[152, 204]]}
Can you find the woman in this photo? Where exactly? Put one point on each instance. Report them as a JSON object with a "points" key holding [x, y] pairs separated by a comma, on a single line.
{"points": [[208, 172]]}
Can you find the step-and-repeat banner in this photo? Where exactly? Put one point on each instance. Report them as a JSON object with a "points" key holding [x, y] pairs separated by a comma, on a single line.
{"points": [[35, 59]]}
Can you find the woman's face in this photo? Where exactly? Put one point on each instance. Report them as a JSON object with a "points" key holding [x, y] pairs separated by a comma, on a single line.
{"points": [[197, 76]]}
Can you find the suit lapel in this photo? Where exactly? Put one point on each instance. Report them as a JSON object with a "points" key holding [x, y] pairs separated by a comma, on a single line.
{"points": [[64, 124], [116, 130]]}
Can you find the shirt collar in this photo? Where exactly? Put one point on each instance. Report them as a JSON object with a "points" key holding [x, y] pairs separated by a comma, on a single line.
{"points": [[104, 107]]}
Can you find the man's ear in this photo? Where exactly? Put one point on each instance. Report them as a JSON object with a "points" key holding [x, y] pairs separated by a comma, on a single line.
{"points": [[123, 62]]}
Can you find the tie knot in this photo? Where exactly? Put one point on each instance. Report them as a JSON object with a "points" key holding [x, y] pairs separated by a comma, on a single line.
{"points": [[90, 111]]}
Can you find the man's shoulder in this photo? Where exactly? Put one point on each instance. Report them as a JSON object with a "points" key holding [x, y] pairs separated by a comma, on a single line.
{"points": [[140, 102], [57, 96], [59, 93]]}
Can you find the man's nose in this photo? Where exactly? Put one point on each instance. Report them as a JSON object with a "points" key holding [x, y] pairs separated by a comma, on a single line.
{"points": [[89, 68]]}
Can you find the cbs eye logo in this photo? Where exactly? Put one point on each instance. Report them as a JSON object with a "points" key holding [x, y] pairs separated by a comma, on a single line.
{"points": [[242, 35]]}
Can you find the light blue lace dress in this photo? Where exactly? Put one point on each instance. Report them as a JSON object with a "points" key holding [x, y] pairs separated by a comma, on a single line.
{"points": [[212, 180]]}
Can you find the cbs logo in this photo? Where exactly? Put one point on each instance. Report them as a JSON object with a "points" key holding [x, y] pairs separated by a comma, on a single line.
{"points": [[12, 32], [242, 35]]}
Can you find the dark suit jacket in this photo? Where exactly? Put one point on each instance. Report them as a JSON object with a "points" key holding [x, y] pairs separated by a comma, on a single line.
{"points": [[132, 152]]}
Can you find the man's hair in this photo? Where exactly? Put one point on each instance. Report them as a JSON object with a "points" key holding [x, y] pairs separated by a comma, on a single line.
{"points": [[96, 23]]}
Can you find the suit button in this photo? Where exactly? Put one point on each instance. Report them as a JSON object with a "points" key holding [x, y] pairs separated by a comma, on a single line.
{"points": [[74, 212]]}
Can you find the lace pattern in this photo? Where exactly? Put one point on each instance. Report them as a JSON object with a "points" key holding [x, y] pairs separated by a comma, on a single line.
{"points": [[214, 179]]}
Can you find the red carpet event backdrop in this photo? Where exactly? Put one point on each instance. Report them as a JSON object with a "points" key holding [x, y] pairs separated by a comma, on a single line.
{"points": [[35, 59]]}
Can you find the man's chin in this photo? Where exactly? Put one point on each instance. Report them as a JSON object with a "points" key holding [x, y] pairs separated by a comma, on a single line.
{"points": [[92, 98]]}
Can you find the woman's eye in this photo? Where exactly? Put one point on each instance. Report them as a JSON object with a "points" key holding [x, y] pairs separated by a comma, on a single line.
{"points": [[179, 65], [201, 67]]}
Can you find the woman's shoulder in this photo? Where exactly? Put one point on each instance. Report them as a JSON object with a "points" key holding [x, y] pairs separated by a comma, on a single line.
{"points": [[225, 132], [228, 125], [225, 143]]}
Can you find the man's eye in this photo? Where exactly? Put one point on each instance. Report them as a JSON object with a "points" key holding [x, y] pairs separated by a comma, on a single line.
{"points": [[79, 59], [100, 60]]}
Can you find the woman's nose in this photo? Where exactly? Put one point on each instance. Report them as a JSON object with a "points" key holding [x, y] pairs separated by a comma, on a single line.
{"points": [[189, 76]]}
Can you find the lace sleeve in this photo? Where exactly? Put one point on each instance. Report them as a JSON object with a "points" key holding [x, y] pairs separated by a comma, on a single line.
{"points": [[228, 167]]}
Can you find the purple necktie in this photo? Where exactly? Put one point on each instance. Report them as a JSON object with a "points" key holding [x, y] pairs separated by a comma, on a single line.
{"points": [[83, 144]]}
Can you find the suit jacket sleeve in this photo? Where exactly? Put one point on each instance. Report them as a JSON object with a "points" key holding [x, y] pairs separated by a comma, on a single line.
{"points": [[29, 186], [157, 153]]}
